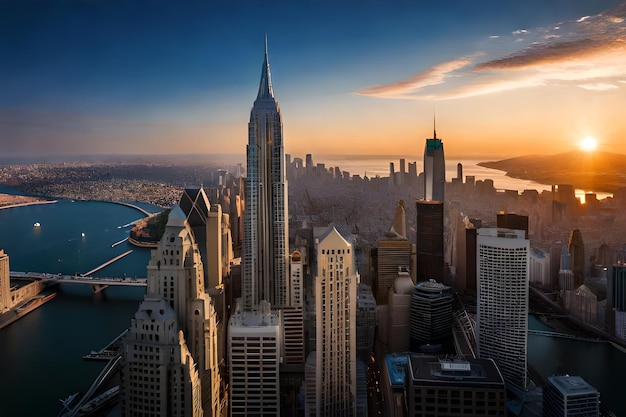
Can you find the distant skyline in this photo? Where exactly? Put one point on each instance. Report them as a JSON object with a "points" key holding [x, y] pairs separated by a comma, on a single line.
{"points": [[352, 77]]}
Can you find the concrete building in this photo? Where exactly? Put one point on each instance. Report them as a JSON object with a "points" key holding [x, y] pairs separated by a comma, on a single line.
{"points": [[366, 321], [175, 278], [266, 232], [502, 305], [158, 375], [393, 254], [332, 389], [540, 267], [431, 314], [14, 294], [453, 387], [582, 303], [398, 320], [255, 348], [566, 395]]}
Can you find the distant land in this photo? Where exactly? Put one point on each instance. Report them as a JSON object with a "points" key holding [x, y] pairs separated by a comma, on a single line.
{"points": [[591, 171]]}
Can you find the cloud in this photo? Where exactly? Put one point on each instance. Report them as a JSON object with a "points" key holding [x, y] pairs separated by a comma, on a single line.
{"points": [[598, 86], [433, 76], [588, 53]]}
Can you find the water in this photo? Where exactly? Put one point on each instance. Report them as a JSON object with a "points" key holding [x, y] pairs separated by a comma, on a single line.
{"points": [[41, 354], [377, 165], [599, 363]]}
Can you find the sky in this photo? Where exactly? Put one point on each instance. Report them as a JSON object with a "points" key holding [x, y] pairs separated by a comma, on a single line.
{"points": [[501, 79]]}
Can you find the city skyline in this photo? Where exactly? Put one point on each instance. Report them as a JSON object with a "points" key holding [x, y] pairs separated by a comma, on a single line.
{"points": [[356, 78]]}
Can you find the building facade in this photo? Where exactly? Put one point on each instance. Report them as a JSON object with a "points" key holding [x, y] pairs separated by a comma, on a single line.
{"points": [[266, 231], [502, 305], [429, 242], [333, 390], [566, 395], [439, 387], [434, 169], [176, 279], [431, 313]]}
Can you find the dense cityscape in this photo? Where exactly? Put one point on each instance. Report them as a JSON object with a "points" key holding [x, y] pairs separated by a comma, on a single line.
{"points": [[289, 288]]}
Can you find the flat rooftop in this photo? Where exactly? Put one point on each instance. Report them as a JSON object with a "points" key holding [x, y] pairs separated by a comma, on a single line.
{"points": [[432, 370], [571, 385], [396, 366]]}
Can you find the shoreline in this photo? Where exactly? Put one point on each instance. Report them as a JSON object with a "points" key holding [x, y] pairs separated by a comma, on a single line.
{"points": [[31, 203]]}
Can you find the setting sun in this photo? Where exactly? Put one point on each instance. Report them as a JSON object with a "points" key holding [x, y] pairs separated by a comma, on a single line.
{"points": [[589, 144]]}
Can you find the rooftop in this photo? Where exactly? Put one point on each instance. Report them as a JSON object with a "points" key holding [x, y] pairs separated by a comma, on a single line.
{"points": [[569, 385]]}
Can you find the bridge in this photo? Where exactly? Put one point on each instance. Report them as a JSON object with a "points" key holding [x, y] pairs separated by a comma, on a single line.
{"points": [[97, 284], [548, 333]]}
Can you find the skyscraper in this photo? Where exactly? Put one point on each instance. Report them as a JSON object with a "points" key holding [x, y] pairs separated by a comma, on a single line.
{"points": [[434, 169], [332, 389], [502, 310], [255, 331], [265, 247], [430, 240], [174, 333]]}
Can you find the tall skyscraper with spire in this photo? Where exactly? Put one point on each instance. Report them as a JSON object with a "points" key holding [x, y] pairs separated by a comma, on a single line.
{"points": [[434, 168], [265, 251]]}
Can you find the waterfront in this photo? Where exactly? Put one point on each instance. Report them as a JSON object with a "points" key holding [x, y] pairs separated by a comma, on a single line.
{"points": [[42, 353], [600, 363]]}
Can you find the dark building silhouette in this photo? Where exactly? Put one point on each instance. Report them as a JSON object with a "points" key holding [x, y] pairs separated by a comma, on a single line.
{"points": [[429, 242], [576, 249], [513, 221]]}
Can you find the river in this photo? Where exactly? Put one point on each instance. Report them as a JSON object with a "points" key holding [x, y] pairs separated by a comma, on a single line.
{"points": [[41, 354]]}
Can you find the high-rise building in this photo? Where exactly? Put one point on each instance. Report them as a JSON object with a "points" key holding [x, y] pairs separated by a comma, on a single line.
{"points": [[540, 267], [266, 232], [576, 249], [616, 300], [332, 389], [158, 376], [366, 321], [176, 279], [431, 313], [502, 310], [393, 255], [566, 395], [429, 240], [434, 169], [255, 348]]}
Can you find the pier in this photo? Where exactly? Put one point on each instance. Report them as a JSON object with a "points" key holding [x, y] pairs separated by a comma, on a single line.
{"points": [[107, 263], [108, 352]]}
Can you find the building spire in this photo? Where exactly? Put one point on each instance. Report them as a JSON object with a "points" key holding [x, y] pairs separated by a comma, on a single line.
{"points": [[265, 87], [434, 127]]}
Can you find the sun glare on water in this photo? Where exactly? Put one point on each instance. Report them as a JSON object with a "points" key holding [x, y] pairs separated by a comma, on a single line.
{"points": [[589, 144]]}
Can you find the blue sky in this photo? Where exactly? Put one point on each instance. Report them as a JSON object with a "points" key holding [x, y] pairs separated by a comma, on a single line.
{"points": [[351, 77]]}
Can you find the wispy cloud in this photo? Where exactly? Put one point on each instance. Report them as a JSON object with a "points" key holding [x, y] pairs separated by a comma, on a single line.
{"points": [[587, 53], [433, 76]]}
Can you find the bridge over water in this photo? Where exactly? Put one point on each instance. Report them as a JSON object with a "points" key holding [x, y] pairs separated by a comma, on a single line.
{"points": [[98, 284]]}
